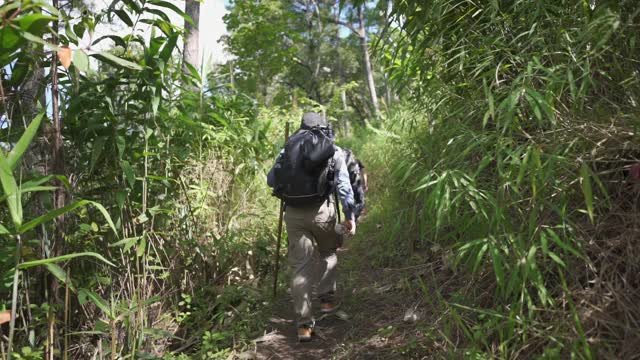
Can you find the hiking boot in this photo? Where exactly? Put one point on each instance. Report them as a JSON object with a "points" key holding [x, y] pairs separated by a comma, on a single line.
{"points": [[328, 307], [304, 333]]}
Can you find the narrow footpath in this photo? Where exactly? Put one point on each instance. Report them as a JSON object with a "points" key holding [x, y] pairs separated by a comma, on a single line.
{"points": [[381, 317]]}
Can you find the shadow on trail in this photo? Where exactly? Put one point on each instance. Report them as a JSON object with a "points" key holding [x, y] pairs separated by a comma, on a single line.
{"points": [[375, 304]]}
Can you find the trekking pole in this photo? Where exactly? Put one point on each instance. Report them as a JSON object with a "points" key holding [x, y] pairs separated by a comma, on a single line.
{"points": [[277, 270]]}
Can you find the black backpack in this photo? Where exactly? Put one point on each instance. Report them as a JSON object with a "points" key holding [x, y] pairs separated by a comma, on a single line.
{"points": [[304, 172]]}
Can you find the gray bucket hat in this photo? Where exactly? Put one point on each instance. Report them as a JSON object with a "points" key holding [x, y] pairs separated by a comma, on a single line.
{"points": [[312, 119]]}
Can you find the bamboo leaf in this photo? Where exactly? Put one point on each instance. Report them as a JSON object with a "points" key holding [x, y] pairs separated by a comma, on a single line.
{"points": [[116, 39], [97, 300], [98, 146], [142, 247], [480, 256], [126, 243], [106, 216], [34, 185], [128, 173], [168, 47], [114, 60], [193, 71], [26, 190], [556, 259], [57, 212], [39, 40], [50, 216], [585, 178], [81, 60], [43, 179], [35, 23], [10, 188], [22, 145], [60, 274], [556, 239], [497, 265], [124, 17], [173, 7], [53, 260]]}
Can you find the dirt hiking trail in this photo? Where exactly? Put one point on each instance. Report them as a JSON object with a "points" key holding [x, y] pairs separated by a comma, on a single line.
{"points": [[380, 317]]}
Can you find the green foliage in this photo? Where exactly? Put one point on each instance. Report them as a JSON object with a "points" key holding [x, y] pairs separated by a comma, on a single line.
{"points": [[503, 168], [288, 50], [172, 164]]}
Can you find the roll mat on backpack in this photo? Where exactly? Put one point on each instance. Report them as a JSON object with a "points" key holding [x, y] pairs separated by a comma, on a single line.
{"points": [[355, 177]]}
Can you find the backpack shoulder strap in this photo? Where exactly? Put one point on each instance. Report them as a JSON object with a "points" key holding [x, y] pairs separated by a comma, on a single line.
{"points": [[334, 167], [335, 195]]}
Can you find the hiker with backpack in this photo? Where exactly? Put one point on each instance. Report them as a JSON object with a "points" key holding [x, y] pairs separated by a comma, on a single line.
{"points": [[307, 173]]}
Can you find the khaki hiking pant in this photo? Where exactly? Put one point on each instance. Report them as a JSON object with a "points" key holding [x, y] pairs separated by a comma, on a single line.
{"points": [[311, 228]]}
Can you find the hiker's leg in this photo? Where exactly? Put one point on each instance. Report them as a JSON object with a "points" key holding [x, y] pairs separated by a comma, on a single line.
{"points": [[301, 263], [324, 233]]}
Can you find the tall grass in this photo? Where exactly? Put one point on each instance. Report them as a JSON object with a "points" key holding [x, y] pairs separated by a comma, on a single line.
{"points": [[515, 156], [517, 159], [513, 217]]}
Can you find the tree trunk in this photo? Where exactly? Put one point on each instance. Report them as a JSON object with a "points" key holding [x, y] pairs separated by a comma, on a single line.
{"points": [[387, 89], [367, 62], [57, 168], [341, 82], [340, 71], [191, 49], [312, 46], [57, 152]]}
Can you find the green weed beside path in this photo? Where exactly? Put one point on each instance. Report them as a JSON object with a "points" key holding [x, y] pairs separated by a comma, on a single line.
{"points": [[500, 236]]}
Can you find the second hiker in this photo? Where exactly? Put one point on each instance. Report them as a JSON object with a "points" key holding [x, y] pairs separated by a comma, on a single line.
{"points": [[306, 173]]}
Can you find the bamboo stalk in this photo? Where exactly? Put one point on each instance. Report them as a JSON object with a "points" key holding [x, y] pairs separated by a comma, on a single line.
{"points": [[113, 339], [66, 315], [51, 327], [14, 297]]}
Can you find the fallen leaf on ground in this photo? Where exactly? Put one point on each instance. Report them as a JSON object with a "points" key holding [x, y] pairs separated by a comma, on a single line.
{"points": [[410, 316], [342, 315], [247, 355], [383, 289], [272, 336]]}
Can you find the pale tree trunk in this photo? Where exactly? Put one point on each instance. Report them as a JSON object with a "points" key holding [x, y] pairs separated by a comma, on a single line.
{"points": [[58, 167], [387, 87], [314, 62], [59, 196], [191, 49], [343, 95], [341, 82], [367, 62]]}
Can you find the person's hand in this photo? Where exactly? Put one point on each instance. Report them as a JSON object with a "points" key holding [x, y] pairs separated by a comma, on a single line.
{"points": [[351, 226]]}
